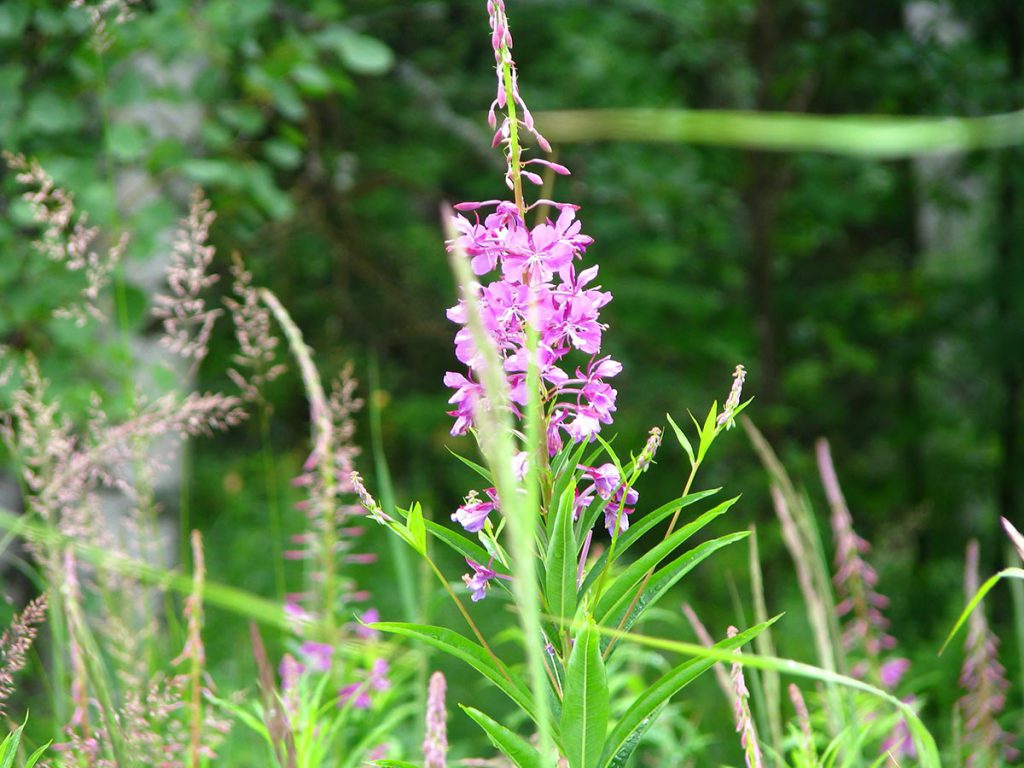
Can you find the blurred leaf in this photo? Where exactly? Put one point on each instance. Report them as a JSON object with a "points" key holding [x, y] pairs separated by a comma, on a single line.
{"points": [[312, 80], [50, 113], [14, 15], [127, 141], [363, 54], [283, 154]]}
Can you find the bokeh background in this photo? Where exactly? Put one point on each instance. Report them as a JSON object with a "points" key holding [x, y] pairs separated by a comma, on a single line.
{"points": [[874, 296]]}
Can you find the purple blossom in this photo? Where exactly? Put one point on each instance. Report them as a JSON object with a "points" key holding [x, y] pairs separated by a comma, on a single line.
{"points": [[472, 514], [290, 670], [893, 671], [354, 694], [607, 484], [538, 286], [983, 680], [369, 616], [358, 694], [865, 628], [435, 739], [479, 580], [317, 655]]}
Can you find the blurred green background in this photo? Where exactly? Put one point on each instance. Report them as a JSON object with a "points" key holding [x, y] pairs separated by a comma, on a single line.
{"points": [[874, 294]]}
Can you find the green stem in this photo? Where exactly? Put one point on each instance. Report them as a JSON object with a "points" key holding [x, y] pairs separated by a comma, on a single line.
{"points": [[514, 149], [465, 614]]}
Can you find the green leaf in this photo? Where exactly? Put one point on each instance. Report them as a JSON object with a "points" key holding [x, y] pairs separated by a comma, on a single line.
{"points": [[362, 54], [51, 113], [34, 757], [508, 743], [9, 748], [638, 527], [663, 580], [627, 582], [560, 564], [640, 715], [251, 721], [1006, 573], [127, 141], [923, 740], [683, 440], [373, 735], [471, 653], [282, 153], [707, 432], [417, 530], [482, 471], [13, 18], [585, 705], [213, 172], [457, 542]]}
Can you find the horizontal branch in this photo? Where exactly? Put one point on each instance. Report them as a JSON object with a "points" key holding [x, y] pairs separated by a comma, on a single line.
{"points": [[856, 135]]}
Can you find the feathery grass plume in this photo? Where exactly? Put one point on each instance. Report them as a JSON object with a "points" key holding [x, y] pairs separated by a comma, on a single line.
{"points": [[435, 739], [322, 475], [103, 13], [187, 321], [257, 345], [61, 469], [741, 712], [800, 535], [342, 405], [984, 682], [67, 238], [809, 585], [15, 643]]}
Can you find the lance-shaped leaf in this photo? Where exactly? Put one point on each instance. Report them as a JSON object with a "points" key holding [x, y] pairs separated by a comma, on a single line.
{"points": [[641, 713], [629, 580], [459, 543], [473, 654], [663, 580], [510, 744], [639, 527], [585, 704], [560, 563]]}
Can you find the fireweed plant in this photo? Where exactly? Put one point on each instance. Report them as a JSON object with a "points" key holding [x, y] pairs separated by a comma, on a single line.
{"points": [[535, 394]]}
